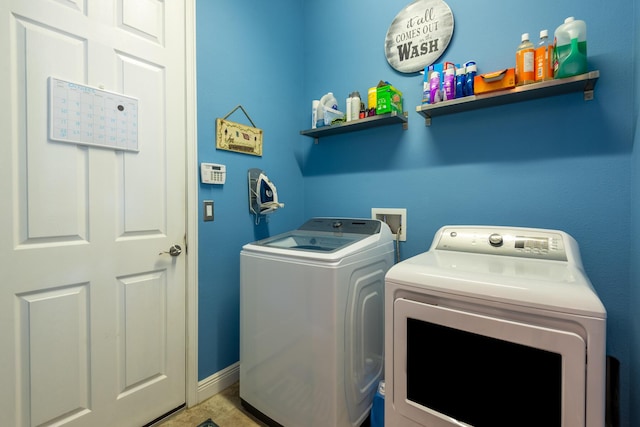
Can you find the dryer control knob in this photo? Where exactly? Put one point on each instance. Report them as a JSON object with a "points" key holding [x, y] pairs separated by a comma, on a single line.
{"points": [[495, 240]]}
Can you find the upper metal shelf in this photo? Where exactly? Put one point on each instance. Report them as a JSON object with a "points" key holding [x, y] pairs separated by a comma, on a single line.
{"points": [[360, 124], [584, 82]]}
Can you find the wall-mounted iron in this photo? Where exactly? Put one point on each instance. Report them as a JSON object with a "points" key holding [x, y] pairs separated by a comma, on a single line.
{"points": [[263, 196]]}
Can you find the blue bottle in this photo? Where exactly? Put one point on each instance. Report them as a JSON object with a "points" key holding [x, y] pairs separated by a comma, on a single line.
{"points": [[471, 73], [460, 81]]}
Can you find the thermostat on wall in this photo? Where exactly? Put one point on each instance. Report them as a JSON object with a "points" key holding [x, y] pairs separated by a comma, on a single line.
{"points": [[212, 173]]}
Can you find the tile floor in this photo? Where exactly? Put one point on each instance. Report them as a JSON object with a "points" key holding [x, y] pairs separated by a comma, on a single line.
{"points": [[224, 409]]}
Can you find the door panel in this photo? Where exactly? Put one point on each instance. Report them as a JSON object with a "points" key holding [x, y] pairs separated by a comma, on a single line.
{"points": [[47, 214], [142, 359], [92, 315], [144, 196], [53, 332], [144, 18]]}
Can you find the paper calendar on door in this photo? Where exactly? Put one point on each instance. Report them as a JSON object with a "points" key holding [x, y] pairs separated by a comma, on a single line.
{"points": [[85, 115]]}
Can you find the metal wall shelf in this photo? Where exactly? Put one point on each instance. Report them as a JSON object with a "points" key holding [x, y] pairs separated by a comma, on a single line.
{"points": [[582, 83], [360, 124]]}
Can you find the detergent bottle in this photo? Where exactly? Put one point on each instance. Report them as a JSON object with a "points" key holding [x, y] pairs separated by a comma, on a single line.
{"points": [[544, 58], [472, 70], [570, 49], [314, 113], [355, 106], [435, 94], [460, 81], [328, 104], [525, 61], [449, 84]]}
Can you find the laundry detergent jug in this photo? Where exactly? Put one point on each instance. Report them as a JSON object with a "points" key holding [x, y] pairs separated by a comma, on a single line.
{"points": [[570, 51], [327, 110]]}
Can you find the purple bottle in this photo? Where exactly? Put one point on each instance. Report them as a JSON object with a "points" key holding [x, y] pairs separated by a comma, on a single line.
{"points": [[449, 83], [434, 88]]}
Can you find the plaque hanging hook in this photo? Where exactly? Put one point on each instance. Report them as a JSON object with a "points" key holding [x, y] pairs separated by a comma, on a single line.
{"points": [[244, 111]]}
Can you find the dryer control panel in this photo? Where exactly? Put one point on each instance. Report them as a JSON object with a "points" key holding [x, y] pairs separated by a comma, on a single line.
{"points": [[507, 241]]}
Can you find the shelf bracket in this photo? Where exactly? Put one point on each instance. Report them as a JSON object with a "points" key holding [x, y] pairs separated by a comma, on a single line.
{"points": [[588, 95], [405, 124], [427, 120], [316, 140]]}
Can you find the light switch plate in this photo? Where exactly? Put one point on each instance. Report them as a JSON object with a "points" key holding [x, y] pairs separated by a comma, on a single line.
{"points": [[208, 210]]}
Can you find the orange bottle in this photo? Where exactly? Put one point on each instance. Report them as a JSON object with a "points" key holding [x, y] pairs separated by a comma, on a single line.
{"points": [[543, 58], [525, 62]]}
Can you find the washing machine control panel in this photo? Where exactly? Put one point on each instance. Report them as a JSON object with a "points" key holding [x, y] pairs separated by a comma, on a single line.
{"points": [[519, 242]]}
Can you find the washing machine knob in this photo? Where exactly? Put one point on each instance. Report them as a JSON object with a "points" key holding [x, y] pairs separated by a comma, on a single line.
{"points": [[496, 240]]}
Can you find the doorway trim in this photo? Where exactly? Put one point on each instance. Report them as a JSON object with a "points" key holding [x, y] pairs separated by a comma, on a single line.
{"points": [[191, 351]]}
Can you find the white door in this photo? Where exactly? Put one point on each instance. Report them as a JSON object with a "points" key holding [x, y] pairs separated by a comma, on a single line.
{"points": [[92, 316]]}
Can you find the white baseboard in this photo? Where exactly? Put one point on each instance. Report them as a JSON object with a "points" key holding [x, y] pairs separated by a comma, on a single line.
{"points": [[217, 382]]}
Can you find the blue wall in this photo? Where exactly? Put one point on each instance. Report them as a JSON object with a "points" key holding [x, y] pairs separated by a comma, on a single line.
{"points": [[245, 56], [557, 162]]}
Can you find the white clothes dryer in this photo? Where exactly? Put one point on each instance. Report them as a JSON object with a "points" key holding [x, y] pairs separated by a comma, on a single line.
{"points": [[312, 322], [493, 327]]}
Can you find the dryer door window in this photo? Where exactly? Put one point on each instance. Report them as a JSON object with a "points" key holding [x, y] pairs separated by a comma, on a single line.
{"points": [[464, 367]]}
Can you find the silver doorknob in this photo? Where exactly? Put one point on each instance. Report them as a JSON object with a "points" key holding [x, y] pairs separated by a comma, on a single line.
{"points": [[174, 250]]}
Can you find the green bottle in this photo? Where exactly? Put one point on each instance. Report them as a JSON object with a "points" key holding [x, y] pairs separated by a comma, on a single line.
{"points": [[570, 49]]}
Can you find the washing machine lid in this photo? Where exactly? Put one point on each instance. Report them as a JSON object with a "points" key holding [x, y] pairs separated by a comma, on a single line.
{"points": [[462, 261], [325, 238]]}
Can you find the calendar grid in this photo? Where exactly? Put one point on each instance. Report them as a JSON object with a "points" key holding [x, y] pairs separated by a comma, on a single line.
{"points": [[85, 115]]}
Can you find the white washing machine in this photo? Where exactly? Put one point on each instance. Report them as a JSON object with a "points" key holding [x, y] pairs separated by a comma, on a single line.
{"points": [[312, 322], [494, 326]]}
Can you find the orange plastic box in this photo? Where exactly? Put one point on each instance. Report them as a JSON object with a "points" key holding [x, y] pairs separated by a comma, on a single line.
{"points": [[498, 80]]}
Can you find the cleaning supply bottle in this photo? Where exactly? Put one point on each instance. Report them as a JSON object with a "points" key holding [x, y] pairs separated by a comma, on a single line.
{"points": [[435, 95], [570, 49], [355, 106], [372, 98], [543, 58], [314, 113], [449, 83], [472, 70], [551, 50], [525, 58], [460, 80], [348, 103], [327, 102]]}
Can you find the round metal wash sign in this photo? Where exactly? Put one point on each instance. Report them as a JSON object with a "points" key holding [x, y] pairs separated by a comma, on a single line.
{"points": [[419, 35]]}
